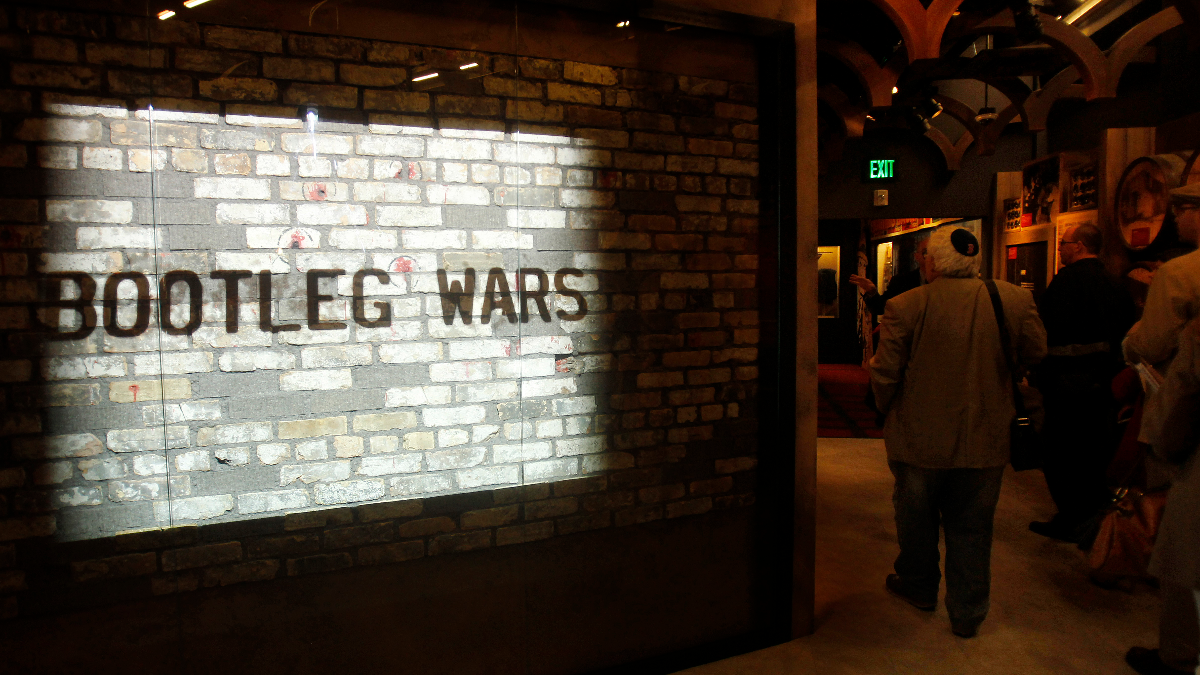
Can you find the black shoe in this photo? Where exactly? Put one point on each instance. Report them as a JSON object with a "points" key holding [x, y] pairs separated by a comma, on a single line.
{"points": [[1053, 530], [895, 586], [1147, 662], [964, 630]]}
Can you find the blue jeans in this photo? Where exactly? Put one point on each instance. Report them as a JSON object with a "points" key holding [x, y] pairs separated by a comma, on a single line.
{"points": [[963, 503]]}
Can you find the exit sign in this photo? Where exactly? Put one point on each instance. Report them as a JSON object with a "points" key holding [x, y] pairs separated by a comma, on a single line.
{"points": [[880, 170]]}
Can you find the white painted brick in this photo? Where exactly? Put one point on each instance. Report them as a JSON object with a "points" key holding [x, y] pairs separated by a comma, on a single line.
{"points": [[88, 211], [239, 456], [581, 157], [390, 146], [487, 391], [229, 434], [521, 153], [81, 367], [146, 342], [398, 331], [279, 500], [454, 173], [500, 239], [328, 260], [214, 337], [580, 405], [149, 489], [383, 465], [525, 367], [449, 438], [458, 194], [440, 239], [443, 148], [193, 508], [600, 261], [102, 469], [579, 425], [386, 192], [400, 124], [542, 135], [418, 440], [173, 363], [331, 214], [438, 329], [282, 237], [57, 129], [145, 161], [485, 173], [548, 387], [587, 445], [229, 260], [551, 469], [314, 167], [408, 216], [360, 239], [243, 116], [273, 453], [349, 491], [384, 444], [348, 446], [417, 485], [416, 396], [455, 459], [232, 188], [449, 417], [587, 199], [273, 165], [253, 214], [58, 157], [153, 438], [312, 380], [480, 349], [549, 428], [515, 175], [495, 475], [547, 175], [106, 159], [484, 432], [149, 464], [547, 344], [326, 472], [307, 451], [83, 106], [460, 371], [316, 191], [515, 431], [184, 411], [332, 357], [536, 218], [196, 460], [411, 352], [57, 447], [325, 144], [315, 337], [89, 238], [353, 168], [245, 361]]}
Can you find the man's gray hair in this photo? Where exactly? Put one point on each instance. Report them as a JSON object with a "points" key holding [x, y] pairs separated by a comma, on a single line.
{"points": [[948, 261]]}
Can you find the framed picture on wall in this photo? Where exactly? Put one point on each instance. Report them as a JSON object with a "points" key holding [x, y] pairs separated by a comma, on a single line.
{"points": [[828, 275], [885, 266], [1040, 192]]}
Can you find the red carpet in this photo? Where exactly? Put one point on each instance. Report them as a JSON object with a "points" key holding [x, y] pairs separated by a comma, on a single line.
{"points": [[842, 411]]}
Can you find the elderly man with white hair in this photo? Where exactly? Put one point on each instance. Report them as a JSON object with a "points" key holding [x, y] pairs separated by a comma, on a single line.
{"points": [[942, 378]]}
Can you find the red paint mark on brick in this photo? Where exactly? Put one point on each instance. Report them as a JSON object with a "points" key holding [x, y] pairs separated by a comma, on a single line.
{"points": [[297, 239], [412, 171], [561, 366], [134, 388], [508, 349], [317, 192], [402, 265]]}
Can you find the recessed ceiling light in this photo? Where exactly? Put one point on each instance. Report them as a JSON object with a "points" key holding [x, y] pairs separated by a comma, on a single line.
{"points": [[166, 14], [895, 90], [622, 24], [192, 3], [468, 65], [426, 76]]}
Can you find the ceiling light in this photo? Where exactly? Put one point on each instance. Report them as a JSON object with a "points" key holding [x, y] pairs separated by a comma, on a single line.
{"points": [[166, 14], [895, 90], [192, 3], [931, 108], [426, 76], [870, 119], [987, 115], [622, 24], [468, 65]]}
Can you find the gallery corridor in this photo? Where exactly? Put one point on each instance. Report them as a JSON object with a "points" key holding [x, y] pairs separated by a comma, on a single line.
{"points": [[1045, 616]]}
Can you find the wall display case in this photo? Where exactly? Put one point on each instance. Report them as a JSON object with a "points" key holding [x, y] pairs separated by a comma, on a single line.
{"points": [[1082, 190], [1041, 196]]}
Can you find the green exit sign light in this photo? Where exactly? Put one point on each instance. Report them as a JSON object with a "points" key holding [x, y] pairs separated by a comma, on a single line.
{"points": [[881, 169]]}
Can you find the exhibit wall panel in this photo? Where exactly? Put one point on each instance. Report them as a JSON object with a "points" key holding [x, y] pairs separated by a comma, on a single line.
{"points": [[261, 276]]}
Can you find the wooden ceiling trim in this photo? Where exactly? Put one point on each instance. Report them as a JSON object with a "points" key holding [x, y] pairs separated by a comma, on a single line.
{"points": [[876, 81]]}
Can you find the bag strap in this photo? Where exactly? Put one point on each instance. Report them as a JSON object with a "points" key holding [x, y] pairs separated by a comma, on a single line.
{"points": [[1006, 345]]}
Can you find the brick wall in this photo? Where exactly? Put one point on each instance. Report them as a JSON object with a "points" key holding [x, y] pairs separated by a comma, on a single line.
{"points": [[631, 398]]}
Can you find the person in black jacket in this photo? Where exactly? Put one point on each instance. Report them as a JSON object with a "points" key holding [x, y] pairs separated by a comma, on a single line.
{"points": [[1086, 314]]}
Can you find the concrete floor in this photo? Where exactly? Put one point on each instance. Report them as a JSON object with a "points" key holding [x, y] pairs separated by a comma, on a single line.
{"points": [[1045, 616]]}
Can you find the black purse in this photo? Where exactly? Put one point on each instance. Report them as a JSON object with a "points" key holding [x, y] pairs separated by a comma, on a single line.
{"points": [[1025, 444]]}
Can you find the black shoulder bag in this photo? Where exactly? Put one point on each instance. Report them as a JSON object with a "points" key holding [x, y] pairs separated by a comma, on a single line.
{"points": [[1025, 442]]}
